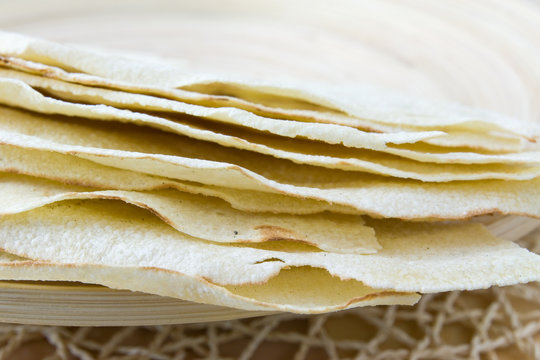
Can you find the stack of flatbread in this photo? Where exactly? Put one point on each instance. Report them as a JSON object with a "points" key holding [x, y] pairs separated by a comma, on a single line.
{"points": [[134, 174]]}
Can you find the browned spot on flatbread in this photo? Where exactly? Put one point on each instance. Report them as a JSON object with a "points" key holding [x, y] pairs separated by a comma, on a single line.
{"points": [[272, 232]]}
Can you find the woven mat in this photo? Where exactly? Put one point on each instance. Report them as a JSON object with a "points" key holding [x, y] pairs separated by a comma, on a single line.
{"points": [[497, 323]]}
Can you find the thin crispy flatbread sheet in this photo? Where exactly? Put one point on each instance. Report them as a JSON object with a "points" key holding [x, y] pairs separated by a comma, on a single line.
{"points": [[188, 147], [465, 133], [167, 108], [373, 195], [17, 93], [502, 142], [423, 257], [367, 102], [309, 290], [496, 142], [360, 102], [76, 171], [332, 155], [492, 141], [202, 217]]}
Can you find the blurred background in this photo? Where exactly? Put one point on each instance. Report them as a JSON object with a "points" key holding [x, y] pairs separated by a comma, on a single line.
{"points": [[482, 53]]}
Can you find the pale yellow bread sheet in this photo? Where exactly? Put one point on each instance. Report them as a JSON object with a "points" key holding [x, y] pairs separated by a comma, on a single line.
{"points": [[76, 171], [14, 92], [309, 290], [191, 117], [486, 140], [374, 195], [415, 257], [202, 217], [361, 102]]}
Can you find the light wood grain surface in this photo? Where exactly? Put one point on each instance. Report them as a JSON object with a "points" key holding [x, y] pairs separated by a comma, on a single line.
{"points": [[481, 53]]}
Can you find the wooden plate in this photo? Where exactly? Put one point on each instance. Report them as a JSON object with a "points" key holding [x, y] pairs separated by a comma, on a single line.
{"points": [[77, 304], [481, 53]]}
